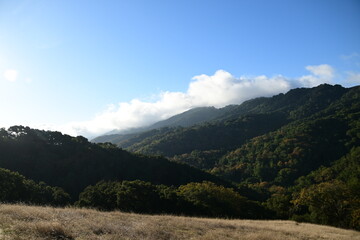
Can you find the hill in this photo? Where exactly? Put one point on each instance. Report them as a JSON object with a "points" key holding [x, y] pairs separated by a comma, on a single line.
{"points": [[34, 223], [73, 163]]}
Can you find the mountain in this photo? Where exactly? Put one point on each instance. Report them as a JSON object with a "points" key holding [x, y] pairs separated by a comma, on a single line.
{"points": [[231, 126], [297, 103]]}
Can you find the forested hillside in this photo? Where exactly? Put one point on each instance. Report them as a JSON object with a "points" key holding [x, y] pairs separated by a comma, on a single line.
{"points": [[16, 188], [298, 147], [74, 163]]}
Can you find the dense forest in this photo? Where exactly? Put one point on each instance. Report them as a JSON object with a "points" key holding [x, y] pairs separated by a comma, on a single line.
{"points": [[292, 156]]}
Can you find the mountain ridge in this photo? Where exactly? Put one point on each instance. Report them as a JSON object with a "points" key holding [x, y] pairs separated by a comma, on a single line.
{"points": [[282, 109]]}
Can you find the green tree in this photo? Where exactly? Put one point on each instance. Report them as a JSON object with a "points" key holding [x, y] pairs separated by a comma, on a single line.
{"points": [[329, 203], [101, 196], [218, 201], [138, 196], [280, 203]]}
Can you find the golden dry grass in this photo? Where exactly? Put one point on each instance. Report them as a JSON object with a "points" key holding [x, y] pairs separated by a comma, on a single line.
{"points": [[29, 222]]}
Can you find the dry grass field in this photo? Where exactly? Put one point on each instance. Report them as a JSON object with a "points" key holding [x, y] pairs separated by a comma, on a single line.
{"points": [[29, 222]]}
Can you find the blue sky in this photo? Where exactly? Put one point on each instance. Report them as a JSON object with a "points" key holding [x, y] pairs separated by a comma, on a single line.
{"points": [[86, 67]]}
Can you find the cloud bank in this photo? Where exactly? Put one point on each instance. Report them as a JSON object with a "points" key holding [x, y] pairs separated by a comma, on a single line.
{"points": [[218, 90]]}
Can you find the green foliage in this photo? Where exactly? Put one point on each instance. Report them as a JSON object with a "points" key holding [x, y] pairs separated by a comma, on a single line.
{"points": [[101, 196], [346, 170], [132, 196], [201, 199], [279, 202], [218, 201], [16, 188], [298, 148], [329, 203], [138, 196], [208, 136], [200, 159], [288, 153], [331, 195]]}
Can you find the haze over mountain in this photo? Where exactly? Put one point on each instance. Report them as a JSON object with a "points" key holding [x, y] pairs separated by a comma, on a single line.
{"points": [[185, 119]]}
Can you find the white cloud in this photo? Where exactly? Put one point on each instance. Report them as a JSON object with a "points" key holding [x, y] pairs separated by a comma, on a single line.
{"points": [[10, 75], [217, 90], [223, 89], [319, 74], [323, 70]]}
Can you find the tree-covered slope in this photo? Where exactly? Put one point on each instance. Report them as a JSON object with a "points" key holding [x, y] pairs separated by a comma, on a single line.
{"points": [[208, 136], [16, 188], [74, 163], [296, 149], [328, 195]]}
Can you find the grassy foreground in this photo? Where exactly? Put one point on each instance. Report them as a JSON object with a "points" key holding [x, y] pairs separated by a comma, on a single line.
{"points": [[29, 222]]}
